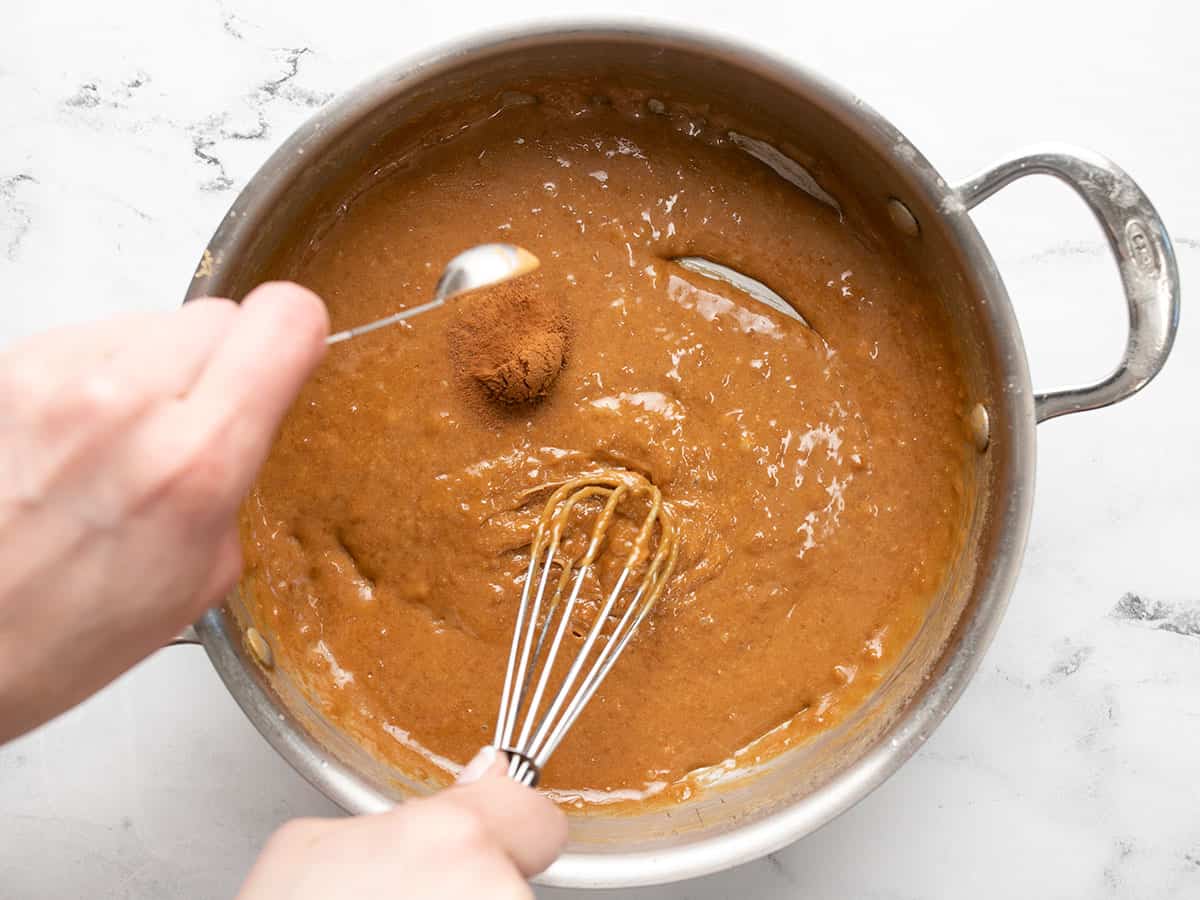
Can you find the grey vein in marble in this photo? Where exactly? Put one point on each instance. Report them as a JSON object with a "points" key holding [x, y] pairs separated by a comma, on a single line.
{"points": [[206, 133], [285, 87], [782, 872], [232, 25], [1161, 616], [204, 137], [1112, 872], [1068, 665], [16, 220], [93, 94]]}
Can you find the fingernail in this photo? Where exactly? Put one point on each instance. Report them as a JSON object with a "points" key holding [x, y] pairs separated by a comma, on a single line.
{"points": [[479, 766]]}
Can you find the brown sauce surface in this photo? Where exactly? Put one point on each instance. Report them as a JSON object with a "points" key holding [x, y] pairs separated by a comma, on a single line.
{"points": [[816, 475]]}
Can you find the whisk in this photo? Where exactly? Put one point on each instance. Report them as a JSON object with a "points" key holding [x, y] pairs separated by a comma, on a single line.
{"points": [[523, 731]]}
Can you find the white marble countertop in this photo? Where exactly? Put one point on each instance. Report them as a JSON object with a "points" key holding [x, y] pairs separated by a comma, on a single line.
{"points": [[1071, 766]]}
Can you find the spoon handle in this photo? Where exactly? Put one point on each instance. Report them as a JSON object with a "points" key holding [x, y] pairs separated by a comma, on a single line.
{"points": [[384, 322]]}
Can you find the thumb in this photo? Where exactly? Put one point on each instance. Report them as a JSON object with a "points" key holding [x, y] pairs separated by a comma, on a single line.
{"points": [[488, 761], [529, 827]]}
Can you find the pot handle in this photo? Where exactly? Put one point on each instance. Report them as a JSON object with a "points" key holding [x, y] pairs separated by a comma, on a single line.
{"points": [[1144, 256]]}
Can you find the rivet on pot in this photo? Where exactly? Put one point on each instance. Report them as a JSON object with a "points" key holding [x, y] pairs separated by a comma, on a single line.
{"points": [[981, 427], [656, 106], [903, 218], [260, 648]]}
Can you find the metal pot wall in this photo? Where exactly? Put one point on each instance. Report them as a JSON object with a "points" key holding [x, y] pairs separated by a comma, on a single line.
{"points": [[806, 787]]}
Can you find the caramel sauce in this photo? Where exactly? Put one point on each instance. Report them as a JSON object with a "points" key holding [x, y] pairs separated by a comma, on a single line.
{"points": [[815, 475]]}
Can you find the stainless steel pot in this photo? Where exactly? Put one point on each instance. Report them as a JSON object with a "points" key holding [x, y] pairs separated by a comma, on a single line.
{"points": [[810, 118]]}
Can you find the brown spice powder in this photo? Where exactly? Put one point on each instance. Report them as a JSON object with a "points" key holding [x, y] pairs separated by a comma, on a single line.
{"points": [[510, 341]]}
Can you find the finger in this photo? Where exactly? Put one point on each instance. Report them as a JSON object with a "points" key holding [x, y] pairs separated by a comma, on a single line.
{"points": [[252, 377], [53, 369], [170, 351], [67, 346], [162, 360], [88, 346], [89, 380], [86, 414], [527, 826]]}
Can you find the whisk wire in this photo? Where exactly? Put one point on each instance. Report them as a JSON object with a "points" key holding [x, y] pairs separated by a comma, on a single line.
{"points": [[585, 564], [635, 613], [506, 719], [541, 733], [569, 680]]}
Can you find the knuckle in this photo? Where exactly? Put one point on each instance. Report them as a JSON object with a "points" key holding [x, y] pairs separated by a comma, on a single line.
{"points": [[89, 405], [103, 400]]}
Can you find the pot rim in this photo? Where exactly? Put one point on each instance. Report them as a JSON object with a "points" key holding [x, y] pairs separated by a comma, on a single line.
{"points": [[1014, 412]]}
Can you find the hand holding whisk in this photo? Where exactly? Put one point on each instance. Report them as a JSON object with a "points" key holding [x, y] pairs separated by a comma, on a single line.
{"points": [[542, 620]]}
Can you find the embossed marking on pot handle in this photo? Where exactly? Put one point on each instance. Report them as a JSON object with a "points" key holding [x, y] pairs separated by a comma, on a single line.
{"points": [[1144, 254]]}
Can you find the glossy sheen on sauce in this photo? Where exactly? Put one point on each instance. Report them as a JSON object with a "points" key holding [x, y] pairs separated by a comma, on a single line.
{"points": [[816, 475]]}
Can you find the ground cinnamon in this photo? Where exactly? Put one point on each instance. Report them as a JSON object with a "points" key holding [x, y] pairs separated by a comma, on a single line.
{"points": [[509, 342]]}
